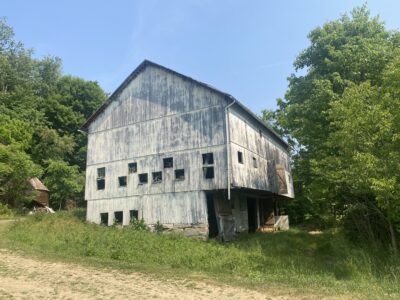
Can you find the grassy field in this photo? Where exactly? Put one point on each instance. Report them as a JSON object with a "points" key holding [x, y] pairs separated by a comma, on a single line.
{"points": [[326, 264]]}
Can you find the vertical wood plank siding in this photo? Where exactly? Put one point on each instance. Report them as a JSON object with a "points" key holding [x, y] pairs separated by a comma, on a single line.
{"points": [[157, 115], [256, 142]]}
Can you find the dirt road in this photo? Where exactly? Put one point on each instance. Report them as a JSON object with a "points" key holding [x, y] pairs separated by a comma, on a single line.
{"points": [[30, 278]]}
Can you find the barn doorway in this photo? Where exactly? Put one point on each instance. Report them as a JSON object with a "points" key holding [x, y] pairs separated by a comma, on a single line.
{"points": [[212, 218], [252, 214]]}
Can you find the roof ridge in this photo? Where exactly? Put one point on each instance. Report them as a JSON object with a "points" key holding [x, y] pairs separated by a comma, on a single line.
{"points": [[147, 62]]}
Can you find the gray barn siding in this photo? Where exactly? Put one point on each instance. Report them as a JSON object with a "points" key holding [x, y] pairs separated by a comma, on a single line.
{"points": [[169, 208], [245, 137], [157, 115]]}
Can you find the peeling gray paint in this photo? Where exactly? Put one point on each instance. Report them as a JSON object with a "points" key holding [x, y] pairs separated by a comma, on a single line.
{"points": [[159, 114]]}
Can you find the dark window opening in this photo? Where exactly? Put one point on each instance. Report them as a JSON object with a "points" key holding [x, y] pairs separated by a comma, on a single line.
{"points": [[101, 172], [208, 172], [208, 159], [134, 215], [104, 218], [255, 162], [157, 177], [212, 218], [180, 174], [101, 184], [143, 178], [122, 181], [240, 157], [118, 217], [132, 168], [168, 162], [252, 214], [260, 133]]}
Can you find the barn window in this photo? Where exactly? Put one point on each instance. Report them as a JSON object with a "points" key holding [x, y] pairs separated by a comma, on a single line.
{"points": [[240, 157], [208, 172], [255, 162], [132, 168], [157, 177], [168, 162], [180, 174], [101, 172], [134, 215], [101, 181], [143, 178], [104, 218], [118, 217], [208, 159], [101, 184], [122, 181], [260, 132]]}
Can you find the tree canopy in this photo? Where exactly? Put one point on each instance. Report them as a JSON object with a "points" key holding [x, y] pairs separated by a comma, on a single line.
{"points": [[41, 111], [342, 119]]}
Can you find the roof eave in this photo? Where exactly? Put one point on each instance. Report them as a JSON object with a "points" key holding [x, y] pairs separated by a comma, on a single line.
{"points": [[146, 62]]}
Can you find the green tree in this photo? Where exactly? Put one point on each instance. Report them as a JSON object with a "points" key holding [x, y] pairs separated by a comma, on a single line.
{"points": [[64, 181], [16, 167], [41, 111], [343, 53], [366, 143]]}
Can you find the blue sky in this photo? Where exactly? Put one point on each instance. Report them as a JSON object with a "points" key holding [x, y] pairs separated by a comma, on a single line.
{"points": [[245, 48]]}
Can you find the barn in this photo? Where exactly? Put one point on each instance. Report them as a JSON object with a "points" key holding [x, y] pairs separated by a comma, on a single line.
{"points": [[170, 149]]}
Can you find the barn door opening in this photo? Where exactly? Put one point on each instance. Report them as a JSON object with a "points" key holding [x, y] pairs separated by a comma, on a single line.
{"points": [[252, 214], [212, 218]]}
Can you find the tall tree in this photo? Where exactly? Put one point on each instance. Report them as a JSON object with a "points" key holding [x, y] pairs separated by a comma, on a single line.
{"points": [[41, 111], [352, 51]]}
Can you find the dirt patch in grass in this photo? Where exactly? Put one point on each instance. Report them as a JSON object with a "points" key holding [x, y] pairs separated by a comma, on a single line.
{"points": [[30, 278]]}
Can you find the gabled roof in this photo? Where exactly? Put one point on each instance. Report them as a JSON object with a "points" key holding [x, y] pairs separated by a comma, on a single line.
{"points": [[146, 63], [37, 184]]}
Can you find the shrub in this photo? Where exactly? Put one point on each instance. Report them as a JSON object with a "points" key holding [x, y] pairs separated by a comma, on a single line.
{"points": [[138, 224], [5, 211]]}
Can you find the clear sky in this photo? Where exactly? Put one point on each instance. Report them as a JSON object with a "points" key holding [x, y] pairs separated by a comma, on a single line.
{"points": [[245, 48]]}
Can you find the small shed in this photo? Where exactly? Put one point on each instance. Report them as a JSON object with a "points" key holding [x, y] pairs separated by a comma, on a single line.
{"points": [[42, 192]]}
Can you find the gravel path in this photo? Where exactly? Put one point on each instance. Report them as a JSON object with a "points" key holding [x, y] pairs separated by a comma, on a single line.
{"points": [[30, 278]]}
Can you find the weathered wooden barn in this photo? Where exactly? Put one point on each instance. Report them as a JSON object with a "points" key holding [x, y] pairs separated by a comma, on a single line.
{"points": [[170, 149]]}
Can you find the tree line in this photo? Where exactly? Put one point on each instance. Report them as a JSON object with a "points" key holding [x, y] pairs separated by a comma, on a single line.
{"points": [[41, 110], [341, 116]]}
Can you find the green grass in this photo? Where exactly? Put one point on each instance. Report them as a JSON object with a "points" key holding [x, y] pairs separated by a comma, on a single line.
{"points": [[326, 264]]}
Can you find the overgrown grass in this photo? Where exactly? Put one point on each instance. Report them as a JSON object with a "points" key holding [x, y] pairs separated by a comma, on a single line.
{"points": [[326, 263], [6, 212]]}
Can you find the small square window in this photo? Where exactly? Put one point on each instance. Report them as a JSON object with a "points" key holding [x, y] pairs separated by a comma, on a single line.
{"points": [[255, 162], [143, 178], [208, 172], [168, 162], [101, 184], [122, 181], [101, 172], [208, 159], [180, 174], [104, 218], [134, 215], [157, 177], [132, 168], [240, 157], [118, 217]]}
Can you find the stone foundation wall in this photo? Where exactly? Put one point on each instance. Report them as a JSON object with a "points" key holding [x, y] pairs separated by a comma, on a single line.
{"points": [[189, 230]]}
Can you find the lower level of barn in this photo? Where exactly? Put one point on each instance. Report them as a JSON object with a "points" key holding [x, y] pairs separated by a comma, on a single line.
{"points": [[204, 214]]}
